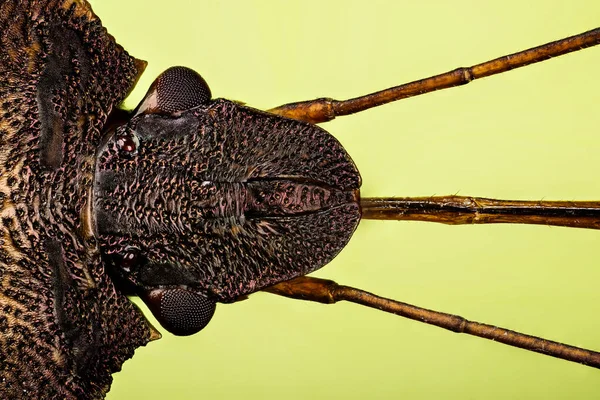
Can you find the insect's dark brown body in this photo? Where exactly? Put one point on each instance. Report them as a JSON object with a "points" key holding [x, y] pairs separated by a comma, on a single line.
{"points": [[221, 200], [67, 75], [269, 196], [63, 328]]}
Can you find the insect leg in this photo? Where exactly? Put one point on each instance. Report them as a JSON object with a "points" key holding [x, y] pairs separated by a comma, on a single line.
{"points": [[329, 292], [458, 210], [326, 109]]}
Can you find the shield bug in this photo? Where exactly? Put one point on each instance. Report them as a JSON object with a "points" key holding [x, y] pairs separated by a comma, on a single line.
{"points": [[342, 332]]}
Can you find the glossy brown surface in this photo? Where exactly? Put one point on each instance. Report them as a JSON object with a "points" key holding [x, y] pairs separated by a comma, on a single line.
{"points": [[458, 210]]}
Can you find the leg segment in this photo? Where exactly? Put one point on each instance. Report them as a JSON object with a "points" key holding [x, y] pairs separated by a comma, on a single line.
{"points": [[329, 292], [326, 109], [458, 210]]}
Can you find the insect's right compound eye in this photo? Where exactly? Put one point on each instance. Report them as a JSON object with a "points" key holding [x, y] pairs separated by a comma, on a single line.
{"points": [[177, 89], [181, 312]]}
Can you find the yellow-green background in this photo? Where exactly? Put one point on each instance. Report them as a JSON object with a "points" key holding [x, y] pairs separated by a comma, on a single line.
{"points": [[528, 134]]}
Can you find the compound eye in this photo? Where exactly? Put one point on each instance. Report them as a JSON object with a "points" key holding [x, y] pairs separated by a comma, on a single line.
{"points": [[177, 89], [128, 144], [181, 312]]}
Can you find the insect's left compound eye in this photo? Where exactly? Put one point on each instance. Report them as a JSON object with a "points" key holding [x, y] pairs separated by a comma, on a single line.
{"points": [[182, 312], [175, 90], [128, 144]]}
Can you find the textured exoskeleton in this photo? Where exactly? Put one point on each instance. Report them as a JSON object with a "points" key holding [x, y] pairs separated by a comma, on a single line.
{"points": [[191, 202]]}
